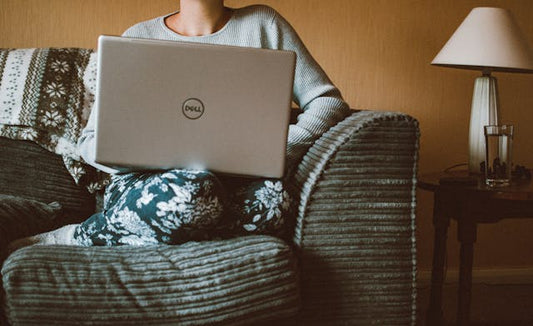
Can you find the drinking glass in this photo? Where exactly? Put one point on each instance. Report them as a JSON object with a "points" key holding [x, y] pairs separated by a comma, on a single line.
{"points": [[498, 155]]}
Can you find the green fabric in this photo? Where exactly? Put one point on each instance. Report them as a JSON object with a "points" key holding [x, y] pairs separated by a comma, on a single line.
{"points": [[31, 172], [20, 217], [242, 280], [356, 222]]}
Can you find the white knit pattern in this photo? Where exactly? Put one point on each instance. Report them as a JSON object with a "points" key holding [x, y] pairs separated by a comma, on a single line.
{"points": [[12, 85]]}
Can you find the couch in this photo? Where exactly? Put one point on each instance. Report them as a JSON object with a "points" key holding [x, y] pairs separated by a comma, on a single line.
{"points": [[350, 260]]}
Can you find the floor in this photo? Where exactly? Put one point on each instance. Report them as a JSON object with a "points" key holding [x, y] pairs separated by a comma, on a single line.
{"points": [[492, 304]]}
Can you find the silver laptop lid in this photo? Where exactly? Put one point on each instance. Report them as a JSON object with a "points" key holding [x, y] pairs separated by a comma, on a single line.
{"points": [[166, 104]]}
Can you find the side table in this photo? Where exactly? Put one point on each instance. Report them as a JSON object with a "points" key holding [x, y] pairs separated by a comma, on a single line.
{"points": [[469, 201]]}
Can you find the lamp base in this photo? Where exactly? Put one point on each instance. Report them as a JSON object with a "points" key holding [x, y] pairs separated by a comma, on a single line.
{"points": [[485, 111]]}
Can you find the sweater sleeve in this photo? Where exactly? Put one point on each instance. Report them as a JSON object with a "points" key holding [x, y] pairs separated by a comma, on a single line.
{"points": [[87, 145], [87, 141], [321, 102]]}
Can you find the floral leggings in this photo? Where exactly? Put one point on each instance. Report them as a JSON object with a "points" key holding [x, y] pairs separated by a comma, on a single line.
{"points": [[176, 206]]}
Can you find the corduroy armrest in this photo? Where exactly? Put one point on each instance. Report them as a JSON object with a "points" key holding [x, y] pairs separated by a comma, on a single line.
{"points": [[356, 220]]}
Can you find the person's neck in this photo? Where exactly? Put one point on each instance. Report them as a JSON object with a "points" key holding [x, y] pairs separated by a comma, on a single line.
{"points": [[198, 18]]}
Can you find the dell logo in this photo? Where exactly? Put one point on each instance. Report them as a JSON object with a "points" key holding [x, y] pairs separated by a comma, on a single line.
{"points": [[190, 108], [193, 108]]}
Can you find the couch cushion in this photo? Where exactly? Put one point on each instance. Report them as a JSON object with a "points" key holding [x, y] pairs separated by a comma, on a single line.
{"points": [[32, 172], [20, 217], [237, 281]]}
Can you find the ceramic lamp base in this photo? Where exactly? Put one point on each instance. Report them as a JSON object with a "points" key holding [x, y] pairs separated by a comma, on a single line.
{"points": [[484, 112]]}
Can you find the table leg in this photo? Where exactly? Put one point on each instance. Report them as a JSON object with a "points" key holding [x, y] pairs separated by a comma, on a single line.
{"points": [[467, 237], [441, 223]]}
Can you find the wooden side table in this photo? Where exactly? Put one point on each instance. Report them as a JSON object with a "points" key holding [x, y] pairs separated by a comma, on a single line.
{"points": [[469, 201]]}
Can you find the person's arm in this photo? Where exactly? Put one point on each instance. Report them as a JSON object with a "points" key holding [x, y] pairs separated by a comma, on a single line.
{"points": [[321, 102], [86, 141], [87, 144]]}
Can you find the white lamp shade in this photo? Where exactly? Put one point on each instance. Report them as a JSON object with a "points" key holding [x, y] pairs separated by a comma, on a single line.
{"points": [[488, 39]]}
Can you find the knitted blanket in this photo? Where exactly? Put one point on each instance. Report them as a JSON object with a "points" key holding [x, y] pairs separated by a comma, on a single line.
{"points": [[43, 99]]}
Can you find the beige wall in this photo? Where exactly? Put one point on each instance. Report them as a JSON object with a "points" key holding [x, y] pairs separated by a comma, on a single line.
{"points": [[377, 52]]}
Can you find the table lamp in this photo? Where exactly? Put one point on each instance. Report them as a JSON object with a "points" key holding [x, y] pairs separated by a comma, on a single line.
{"points": [[489, 39]]}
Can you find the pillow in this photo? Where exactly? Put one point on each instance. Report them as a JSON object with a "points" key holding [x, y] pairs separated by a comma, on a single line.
{"points": [[47, 102], [21, 217]]}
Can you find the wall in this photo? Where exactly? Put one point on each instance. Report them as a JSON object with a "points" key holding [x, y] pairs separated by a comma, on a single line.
{"points": [[377, 52]]}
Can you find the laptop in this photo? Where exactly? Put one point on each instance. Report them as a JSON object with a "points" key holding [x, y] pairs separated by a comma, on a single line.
{"points": [[166, 104]]}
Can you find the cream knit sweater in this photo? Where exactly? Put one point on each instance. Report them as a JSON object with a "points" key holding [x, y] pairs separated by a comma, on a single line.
{"points": [[261, 27]]}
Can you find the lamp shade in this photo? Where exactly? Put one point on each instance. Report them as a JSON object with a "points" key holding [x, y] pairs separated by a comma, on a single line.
{"points": [[488, 39]]}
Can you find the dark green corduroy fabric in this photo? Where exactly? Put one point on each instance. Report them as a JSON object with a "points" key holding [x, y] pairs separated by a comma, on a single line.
{"points": [[30, 171], [242, 280], [21, 217], [355, 228]]}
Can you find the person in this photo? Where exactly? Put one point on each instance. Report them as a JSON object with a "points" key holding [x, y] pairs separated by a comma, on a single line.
{"points": [[180, 205]]}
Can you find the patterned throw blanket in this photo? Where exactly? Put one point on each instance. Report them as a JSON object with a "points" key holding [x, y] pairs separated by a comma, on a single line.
{"points": [[45, 97]]}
